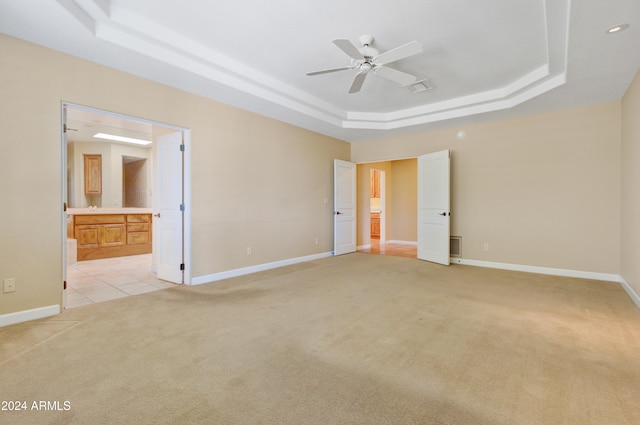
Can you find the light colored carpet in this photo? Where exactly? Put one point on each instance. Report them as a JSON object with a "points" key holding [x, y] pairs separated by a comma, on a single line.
{"points": [[356, 339]]}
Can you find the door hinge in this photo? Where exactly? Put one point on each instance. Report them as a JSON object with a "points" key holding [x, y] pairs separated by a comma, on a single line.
{"points": [[64, 208], [182, 147], [182, 207], [182, 267], [64, 284]]}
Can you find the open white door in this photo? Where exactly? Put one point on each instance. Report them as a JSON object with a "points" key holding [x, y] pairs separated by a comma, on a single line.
{"points": [[344, 218], [65, 222], [433, 207], [168, 208]]}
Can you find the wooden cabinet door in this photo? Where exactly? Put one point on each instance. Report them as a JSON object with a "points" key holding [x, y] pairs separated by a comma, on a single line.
{"points": [[87, 236], [92, 174], [112, 235], [374, 184], [375, 225]]}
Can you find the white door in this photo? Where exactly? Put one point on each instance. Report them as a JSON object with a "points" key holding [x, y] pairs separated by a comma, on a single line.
{"points": [[383, 207], [433, 207], [168, 214], [64, 208], [344, 214]]}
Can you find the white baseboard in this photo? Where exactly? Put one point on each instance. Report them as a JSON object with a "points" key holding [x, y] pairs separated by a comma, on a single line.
{"points": [[26, 315], [609, 277], [199, 280], [633, 294], [540, 270]]}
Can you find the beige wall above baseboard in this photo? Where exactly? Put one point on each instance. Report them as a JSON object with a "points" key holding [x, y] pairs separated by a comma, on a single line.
{"points": [[542, 190]]}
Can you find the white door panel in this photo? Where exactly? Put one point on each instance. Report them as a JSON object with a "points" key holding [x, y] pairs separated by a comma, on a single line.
{"points": [[64, 197], [168, 217], [344, 225], [433, 207]]}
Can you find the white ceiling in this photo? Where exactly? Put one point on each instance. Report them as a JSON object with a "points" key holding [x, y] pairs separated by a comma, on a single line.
{"points": [[487, 59], [83, 125]]}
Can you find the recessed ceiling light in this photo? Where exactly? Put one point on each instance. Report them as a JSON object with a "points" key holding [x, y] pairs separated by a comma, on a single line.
{"points": [[121, 139], [618, 28]]}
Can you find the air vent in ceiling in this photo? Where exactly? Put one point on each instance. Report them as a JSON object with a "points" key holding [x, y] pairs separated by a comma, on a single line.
{"points": [[420, 86]]}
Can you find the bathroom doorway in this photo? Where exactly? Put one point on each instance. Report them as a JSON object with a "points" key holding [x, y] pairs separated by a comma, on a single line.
{"points": [[136, 181], [129, 161]]}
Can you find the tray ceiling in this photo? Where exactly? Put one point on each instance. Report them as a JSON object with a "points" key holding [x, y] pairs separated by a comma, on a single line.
{"points": [[485, 60]]}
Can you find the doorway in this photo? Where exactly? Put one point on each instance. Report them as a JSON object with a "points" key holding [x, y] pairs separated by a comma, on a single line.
{"points": [[418, 205], [136, 181], [377, 206], [387, 192], [128, 188]]}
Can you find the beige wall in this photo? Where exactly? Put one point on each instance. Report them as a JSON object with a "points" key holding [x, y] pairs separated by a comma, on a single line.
{"points": [[630, 260], [541, 190], [255, 181], [403, 201]]}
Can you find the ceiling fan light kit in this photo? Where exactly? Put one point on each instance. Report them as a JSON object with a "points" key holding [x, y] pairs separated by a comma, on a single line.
{"points": [[366, 59]]}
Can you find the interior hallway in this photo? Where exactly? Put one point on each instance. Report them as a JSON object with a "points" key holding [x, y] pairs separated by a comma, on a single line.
{"points": [[95, 281]]}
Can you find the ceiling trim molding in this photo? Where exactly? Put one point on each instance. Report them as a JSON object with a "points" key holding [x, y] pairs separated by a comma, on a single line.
{"points": [[119, 26]]}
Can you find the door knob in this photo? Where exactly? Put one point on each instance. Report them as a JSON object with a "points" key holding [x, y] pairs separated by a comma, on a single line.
{"points": [[338, 212], [157, 215], [443, 213]]}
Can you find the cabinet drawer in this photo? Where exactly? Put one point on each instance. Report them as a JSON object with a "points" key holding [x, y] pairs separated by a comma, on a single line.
{"points": [[138, 238], [137, 227], [99, 219], [138, 218]]}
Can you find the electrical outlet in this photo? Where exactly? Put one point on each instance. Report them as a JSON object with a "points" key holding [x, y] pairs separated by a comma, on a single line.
{"points": [[9, 285], [317, 241], [486, 246], [249, 250]]}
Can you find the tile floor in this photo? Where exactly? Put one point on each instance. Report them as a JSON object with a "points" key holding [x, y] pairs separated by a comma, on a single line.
{"points": [[95, 281]]}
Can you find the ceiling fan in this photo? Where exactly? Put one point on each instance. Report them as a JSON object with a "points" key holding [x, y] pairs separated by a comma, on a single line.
{"points": [[367, 59]]}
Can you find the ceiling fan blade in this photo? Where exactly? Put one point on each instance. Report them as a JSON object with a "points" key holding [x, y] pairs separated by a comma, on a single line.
{"points": [[401, 52], [326, 71], [394, 75], [357, 82], [348, 47]]}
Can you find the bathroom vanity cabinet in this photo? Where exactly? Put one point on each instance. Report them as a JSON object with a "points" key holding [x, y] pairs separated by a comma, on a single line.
{"points": [[105, 235]]}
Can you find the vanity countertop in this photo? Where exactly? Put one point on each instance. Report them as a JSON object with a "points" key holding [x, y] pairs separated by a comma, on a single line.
{"points": [[94, 211]]}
